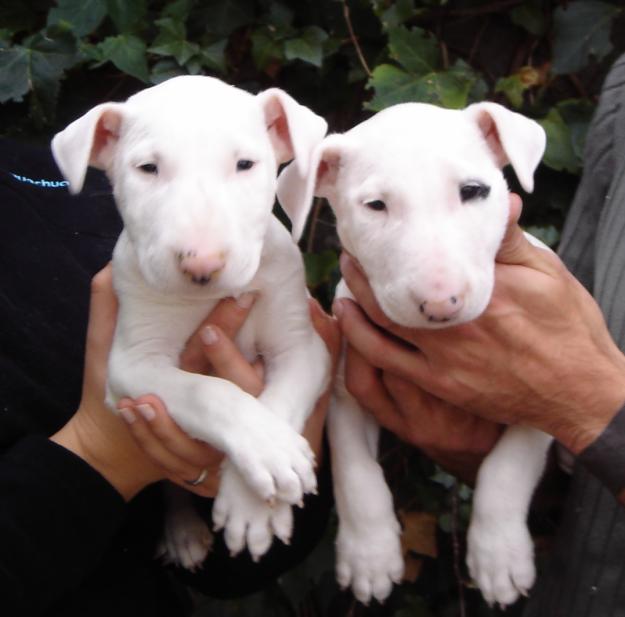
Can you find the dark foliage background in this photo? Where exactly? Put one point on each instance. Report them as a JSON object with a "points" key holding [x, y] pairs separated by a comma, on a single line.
{"points": [[345, 59]]}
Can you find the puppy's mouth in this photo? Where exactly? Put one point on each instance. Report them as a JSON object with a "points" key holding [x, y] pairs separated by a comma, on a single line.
{"points": [[201, 280]]}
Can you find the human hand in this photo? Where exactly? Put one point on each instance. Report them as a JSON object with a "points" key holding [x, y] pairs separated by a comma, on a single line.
{"points": [[456, 440], [94, 433], [540, 354]]}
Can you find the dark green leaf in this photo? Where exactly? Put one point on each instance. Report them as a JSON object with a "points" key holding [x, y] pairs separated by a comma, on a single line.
{"points": [[319, 267], [14, 72], [213, 56], [127, 16], [582, 29], [265, 48], [178, 10], [128, 53], [530, 17], [84, 16], [172, 41], [398, 13], [393, 85], [560, 154], [513, 87], [417, 52], [165, 69], [225, 16], [577, 114], [37, 67], [307, 47]]}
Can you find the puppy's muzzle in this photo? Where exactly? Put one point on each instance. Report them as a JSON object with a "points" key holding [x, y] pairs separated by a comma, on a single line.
{"points": [[200, 268]]}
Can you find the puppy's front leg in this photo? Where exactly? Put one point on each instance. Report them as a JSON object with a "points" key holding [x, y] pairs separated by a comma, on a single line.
{"points": [[272, 457]]}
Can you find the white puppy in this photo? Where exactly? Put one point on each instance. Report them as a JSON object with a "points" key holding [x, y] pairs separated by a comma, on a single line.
{"points": [[421, 202], [193, 165]]}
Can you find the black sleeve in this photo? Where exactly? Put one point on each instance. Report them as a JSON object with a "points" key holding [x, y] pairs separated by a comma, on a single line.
{"points": [[57, 519]]}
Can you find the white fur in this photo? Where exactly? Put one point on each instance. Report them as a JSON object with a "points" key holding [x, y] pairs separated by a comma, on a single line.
{"points": [[425, 249], [195, 129]]}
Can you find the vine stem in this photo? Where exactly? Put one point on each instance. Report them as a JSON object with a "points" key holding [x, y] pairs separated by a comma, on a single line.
{"points": [[354, 40]]}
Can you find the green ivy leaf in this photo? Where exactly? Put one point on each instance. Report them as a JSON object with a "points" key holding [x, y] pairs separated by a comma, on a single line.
{"points": [[14, 65], [165, 69], [127, 16], [37, 66], [581, 29], [559, 154], [172, 41], [320, 266], [214, 56], [529, 17], [416, 51], [265, 48], [513, 87], [128, 53], [307, 47], [397, 13], [84, 16], [392, 85], [577, 113], [224, 16], [178, 10]]}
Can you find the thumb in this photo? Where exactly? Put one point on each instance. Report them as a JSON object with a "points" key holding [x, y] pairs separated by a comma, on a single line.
{"points": [[517, 250], [515, 247]]}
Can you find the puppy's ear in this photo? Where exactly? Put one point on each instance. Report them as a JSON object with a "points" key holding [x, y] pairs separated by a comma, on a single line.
{"points": [[512, 137], [294, 130], [90, 140], [296, 189]]}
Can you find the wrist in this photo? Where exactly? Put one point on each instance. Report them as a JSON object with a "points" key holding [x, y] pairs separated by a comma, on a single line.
{"points": [[584, 419], [127, 473]]}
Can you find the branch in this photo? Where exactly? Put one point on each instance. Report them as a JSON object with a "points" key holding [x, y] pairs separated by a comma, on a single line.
{"points": [[354, 40]]}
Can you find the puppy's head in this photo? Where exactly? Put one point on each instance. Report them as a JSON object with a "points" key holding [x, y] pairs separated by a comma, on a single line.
{"points": [[421, 202], [193, 164]]}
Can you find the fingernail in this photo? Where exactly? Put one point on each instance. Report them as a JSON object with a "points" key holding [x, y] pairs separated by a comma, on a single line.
{"points": [[245, 300], [337, 308], [147, 411], [209, 335], [127, 415]]}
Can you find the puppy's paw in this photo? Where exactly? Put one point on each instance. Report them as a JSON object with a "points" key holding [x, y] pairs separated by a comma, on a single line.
{"points": [[500, 558], [369, 558], [187, 539], [275, 461], [246, 519]]}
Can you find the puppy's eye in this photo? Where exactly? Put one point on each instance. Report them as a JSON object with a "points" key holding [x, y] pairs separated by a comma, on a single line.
{"points": [[149, 168], [244, 164], [377, 204], [473, 190]]}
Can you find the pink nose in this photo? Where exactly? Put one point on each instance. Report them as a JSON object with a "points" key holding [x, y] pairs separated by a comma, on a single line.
{"points": [[200, 267], [441, 310]]}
